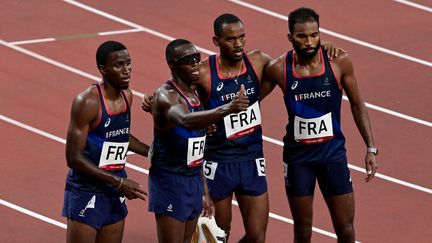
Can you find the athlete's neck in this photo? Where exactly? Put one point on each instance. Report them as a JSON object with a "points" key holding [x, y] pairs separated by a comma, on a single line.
{"points": [[229, 67]]}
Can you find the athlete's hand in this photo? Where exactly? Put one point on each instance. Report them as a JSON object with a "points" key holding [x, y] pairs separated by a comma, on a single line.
{"points": [[371, 166], [208, 207], [131, 190], [211, 129], [240, 101], [147, 102], [332, 50]]}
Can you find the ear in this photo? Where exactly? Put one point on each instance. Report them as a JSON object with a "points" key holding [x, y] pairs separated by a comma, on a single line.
{"points": [[215, 41], [290, 38], [101, 69], [170, 65]]}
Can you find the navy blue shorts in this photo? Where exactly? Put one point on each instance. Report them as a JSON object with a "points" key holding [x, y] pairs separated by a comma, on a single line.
{"points": [[333, 179], [243, 177], [175, 195], [96, 210]]}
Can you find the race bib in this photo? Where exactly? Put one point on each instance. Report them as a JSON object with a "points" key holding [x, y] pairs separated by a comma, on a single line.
{"points": [[314, 130], [113, 156], [243, 123], [195, 151]]}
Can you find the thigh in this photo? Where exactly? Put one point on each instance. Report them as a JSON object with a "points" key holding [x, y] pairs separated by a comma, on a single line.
{"points": [[342, 209], [112, 233], [254, 210], [301, 209], [78, 232], [169, 229], [223, 213], [190, 228]]}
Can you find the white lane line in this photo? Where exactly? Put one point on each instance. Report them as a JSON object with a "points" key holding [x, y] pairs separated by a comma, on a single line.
{"points": [[129, 165], [49, 39], [415, 5], [58, 64], [338, 35], [33, 214], [170, 38], [280, 143], [24, 42]]}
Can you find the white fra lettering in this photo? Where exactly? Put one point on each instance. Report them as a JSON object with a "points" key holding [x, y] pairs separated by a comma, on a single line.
{"points": [[242, 119], [313, 130], [311, 127]]}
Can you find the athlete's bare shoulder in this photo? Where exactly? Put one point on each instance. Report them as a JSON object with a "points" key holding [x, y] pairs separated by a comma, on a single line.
{"points": [[258, 56]]}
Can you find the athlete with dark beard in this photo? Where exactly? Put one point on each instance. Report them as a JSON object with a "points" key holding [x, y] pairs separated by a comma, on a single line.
{"points": [[314, 146]]}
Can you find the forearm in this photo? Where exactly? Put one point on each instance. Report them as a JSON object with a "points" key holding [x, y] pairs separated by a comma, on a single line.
{"points": [[137, 146], [202, 119], [84, 167], [361, 119]]}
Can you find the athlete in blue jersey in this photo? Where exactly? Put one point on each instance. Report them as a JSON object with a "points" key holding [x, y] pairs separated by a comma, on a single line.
{"points": [[176, 183], [235, 147], [97, 142], [314, 146]]}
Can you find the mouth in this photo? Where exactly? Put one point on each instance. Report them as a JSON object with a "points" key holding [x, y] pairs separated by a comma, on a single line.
{"points": [[311, 49], [238, 52], [195, 71], [126, 79]]}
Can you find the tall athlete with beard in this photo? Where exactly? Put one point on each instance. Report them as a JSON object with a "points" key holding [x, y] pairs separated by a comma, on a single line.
{"points": [[97, 141], [314, 146], [176, 183], [235, 147]]}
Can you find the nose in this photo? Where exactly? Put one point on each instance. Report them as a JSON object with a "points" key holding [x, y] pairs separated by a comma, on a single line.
{"points": [[309, 41], [237, 43], [126, 68]]}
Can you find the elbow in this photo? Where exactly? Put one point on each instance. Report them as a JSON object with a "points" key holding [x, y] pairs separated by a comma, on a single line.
{"points": [[72, 161]]}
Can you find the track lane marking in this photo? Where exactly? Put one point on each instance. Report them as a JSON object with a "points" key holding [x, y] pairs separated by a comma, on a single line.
{"points": [[415, 5], [337, 35]]}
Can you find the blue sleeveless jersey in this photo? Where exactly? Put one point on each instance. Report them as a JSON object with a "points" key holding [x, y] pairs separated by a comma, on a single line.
{"points": [[178, 149], [313, 104], [238, 135], [106, 147]]}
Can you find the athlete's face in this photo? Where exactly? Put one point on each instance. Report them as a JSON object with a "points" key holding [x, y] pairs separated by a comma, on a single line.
{"points": [[305, 39], [185, 63], [231, 41], [117, 69]]}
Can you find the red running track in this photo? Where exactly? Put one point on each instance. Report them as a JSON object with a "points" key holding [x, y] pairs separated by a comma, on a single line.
{"points": [[38, 93]]}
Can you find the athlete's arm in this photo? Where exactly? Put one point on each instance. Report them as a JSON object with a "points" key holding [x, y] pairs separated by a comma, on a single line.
{"points": [[174, 108], [208, 207], [273, 75], [135, 145], [85, 108], [358, 109]]}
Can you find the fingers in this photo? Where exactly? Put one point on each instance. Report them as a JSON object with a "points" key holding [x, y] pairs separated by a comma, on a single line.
{"points": [[371, 169], [147, 102], [242, 89], [211, 129]]}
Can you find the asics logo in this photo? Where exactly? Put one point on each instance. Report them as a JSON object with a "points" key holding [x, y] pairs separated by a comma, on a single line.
{"points": [[294, 85], [220, 86], [107, 122]]}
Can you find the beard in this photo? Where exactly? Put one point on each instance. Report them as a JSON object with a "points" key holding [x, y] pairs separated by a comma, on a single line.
{"points": [[304, 54]]}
